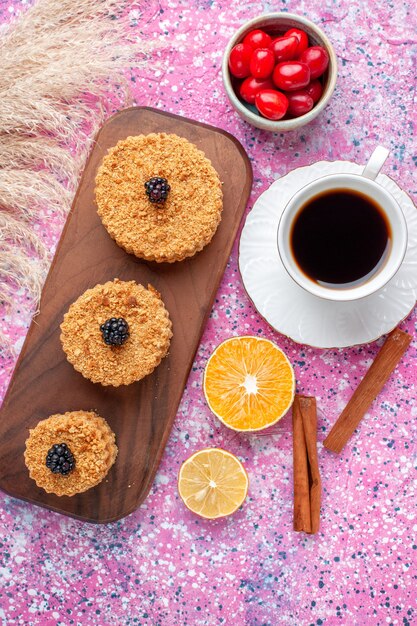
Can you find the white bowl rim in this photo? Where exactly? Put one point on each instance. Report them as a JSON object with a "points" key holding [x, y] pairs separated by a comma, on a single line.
{"points": [[278, 125]]}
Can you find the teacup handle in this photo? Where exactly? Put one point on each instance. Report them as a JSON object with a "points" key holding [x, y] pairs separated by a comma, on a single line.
{"points": [[375, 163]]}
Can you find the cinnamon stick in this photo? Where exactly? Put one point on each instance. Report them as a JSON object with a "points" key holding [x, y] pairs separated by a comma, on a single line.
{"points": [[302, 516], [309, 415], [370, 386], [307, 484]]}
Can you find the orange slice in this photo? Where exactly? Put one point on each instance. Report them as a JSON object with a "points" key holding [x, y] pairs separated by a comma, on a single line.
{"points": [[249, 383], [213, 483]]}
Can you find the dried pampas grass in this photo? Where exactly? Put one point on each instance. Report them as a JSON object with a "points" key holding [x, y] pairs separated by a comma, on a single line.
{"points": [[60, 62]]}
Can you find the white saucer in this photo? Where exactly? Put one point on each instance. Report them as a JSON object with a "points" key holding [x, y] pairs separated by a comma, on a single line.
{"points": [[290, 309]]}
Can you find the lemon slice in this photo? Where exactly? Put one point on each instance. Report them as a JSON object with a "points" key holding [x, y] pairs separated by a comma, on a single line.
{"points": [[213, 483], [249, 383]]}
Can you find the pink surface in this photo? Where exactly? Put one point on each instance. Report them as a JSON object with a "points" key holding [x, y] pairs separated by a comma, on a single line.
{"points": [[164, 566]]}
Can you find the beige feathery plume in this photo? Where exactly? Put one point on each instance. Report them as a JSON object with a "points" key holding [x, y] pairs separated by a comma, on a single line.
{"points": [[58, 63]]}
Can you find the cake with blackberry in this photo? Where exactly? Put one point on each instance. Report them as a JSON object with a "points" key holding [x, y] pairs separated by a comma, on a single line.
{"points": [[71, 452], [159, 197], [116, 333]]}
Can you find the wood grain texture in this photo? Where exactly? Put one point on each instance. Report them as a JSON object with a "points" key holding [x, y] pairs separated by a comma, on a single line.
{"points": [[141, 414]]}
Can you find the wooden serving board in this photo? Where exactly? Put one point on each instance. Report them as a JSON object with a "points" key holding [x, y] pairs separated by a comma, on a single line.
{"points": [[140, 414]]}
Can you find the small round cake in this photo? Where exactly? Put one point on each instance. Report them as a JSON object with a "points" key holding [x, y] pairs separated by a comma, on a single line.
{"points": [[159, 197], [116, 333], [70, 453]]}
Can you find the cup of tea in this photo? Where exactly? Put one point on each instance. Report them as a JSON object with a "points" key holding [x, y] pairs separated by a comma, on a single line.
{"points": [[343, 236]]}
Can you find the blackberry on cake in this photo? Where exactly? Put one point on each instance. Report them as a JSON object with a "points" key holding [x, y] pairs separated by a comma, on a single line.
{"points": [[60, 459], [69, 453], [116, 333], [157, 189]]}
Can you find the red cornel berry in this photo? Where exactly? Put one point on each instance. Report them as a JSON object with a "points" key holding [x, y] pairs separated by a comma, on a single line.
{"points": [[262, 63], [317, 59], [299, 103], [291, 75], [251, 86], [284, 48], [271, 104], [239, 60], [301, 37], [257, 39], [314, 89]]}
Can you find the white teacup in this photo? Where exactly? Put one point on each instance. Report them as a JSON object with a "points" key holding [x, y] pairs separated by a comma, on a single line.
{"points": [[366, 185]]}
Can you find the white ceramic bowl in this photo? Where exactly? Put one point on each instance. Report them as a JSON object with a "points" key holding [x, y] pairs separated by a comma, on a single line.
{"points": [[277, 24]]}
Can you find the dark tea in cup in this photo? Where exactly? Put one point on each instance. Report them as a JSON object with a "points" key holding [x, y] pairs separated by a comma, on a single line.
{"points": [[340, 238], [343, 236]]}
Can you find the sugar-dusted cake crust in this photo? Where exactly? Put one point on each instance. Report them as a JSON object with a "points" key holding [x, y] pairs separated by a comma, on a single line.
{"points": [[188, 219], [91, 441], [149, 326]]}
